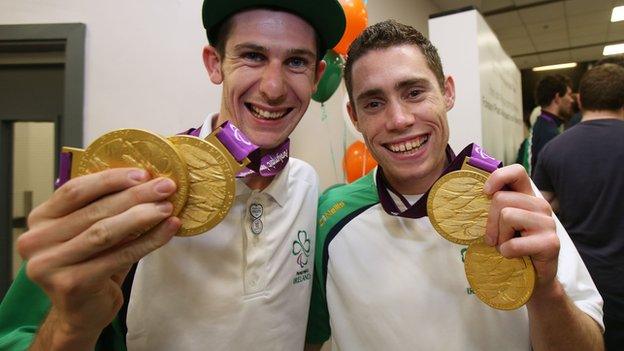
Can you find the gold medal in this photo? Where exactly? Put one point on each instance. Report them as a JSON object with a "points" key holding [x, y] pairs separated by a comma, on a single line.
{"points": [[212, 170], [500, 282], [141, 149], [457, 207]]}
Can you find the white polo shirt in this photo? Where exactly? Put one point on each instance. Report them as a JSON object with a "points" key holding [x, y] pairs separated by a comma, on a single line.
{"points": [[392, 283], [231, 288]]}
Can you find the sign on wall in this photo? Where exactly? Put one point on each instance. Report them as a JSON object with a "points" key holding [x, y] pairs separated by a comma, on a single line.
{"points": [[488, 104]]}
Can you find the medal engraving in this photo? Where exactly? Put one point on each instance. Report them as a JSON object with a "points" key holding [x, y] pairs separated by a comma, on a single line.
{"points": [[140, 149], [211, 182], [457, 207], [500, 282]]}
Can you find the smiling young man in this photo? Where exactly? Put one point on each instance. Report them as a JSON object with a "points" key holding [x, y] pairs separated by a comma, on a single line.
{"points": [[384, 279], [242, 285]]}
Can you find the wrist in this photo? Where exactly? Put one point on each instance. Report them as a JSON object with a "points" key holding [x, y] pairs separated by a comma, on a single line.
{"points": [[57, 334], [547, 294]]}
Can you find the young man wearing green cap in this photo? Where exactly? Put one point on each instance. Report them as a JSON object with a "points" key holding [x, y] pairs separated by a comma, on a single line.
{"points": [[245, 284]]}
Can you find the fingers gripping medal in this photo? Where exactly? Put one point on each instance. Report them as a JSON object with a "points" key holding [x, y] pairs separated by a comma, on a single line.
{"points": [[458, 209], [212, 169], [135, 148]]}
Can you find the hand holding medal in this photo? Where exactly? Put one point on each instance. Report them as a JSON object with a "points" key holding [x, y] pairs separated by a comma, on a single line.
{"points": [[203, 169]]}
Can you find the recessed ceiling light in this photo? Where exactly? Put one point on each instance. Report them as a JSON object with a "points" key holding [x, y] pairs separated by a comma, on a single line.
{"points": [[613, 49], [551, 67], [617, 14]]}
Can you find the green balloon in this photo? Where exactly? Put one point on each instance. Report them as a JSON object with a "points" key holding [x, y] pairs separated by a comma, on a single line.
{"points": [[331, 77]]}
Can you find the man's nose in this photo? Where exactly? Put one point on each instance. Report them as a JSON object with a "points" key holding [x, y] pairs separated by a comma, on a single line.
{"points": [[398, 116], [273, 84]]}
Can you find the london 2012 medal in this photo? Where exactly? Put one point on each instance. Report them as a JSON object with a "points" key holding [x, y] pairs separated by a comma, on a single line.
{"points": [[140, 149], [212, 170], [457, 207], [502, 283]]}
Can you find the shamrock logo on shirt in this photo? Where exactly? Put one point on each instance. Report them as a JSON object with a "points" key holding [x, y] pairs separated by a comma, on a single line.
{"points": [[301, 248]]}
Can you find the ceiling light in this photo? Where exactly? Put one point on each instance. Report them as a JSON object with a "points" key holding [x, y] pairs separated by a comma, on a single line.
{"points": [[551, 67], [617, 14], [613, 49]]}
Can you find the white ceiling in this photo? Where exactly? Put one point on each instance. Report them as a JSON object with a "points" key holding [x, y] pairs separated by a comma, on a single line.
{"points": [[544, 32]]}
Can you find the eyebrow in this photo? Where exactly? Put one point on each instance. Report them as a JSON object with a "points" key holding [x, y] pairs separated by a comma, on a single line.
{"points": [[411, 82], [291, 52], [302, 52], [250, 46], [398, 87]]}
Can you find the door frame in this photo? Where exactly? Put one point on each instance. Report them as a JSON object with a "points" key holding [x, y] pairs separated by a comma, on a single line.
{"points": [[69, 125]]}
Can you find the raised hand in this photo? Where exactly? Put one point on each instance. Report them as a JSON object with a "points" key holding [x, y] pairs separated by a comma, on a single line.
{"points": [[82, 242]]}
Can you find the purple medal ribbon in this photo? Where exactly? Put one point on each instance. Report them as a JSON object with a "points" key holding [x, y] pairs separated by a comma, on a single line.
{"points": [[478, 158], [64, 174], [266, 163]]}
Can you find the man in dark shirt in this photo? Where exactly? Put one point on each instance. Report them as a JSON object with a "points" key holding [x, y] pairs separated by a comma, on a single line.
{"points": [[554, 95], [580, 173]]}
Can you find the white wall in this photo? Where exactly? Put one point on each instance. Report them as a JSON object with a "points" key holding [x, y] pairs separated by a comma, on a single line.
{"points": [[488, 104], [143, 65], [144, 70]]}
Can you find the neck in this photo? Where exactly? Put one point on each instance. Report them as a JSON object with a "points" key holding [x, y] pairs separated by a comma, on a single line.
{"points": [[416, 186], [606, 114], [257, 182]]}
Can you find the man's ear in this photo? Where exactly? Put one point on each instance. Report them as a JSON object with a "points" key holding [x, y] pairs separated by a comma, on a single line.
{"points": [[212, 62], [320, 69], [449, 93], [353, 115], [578, 102]]}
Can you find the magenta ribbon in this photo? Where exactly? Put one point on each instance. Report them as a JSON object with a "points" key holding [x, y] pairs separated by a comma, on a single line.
{"points": [[267, 163], [478, 158]]}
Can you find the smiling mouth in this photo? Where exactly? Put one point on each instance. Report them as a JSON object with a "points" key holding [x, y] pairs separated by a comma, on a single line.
{"points": [[267, 115], [408, 147]]}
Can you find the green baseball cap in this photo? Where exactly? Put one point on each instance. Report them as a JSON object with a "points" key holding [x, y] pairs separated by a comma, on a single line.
{"points": [[325, 16]]}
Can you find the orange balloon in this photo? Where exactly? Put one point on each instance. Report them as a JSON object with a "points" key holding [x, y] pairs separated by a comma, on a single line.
{"points": [[357, 161], [357, 19]]}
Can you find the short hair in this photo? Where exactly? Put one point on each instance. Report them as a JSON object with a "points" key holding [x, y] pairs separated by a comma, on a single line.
{"points": [[548, 88], [602, 88], [388, 34], [614, 59], [224, 28]]}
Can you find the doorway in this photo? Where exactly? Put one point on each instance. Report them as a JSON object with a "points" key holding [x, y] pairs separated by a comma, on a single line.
{"points": [[41, 109]]}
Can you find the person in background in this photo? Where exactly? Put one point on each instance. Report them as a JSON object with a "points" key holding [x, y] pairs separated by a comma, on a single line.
{"points": [[580, 173], [232, 288], [554, 95]]}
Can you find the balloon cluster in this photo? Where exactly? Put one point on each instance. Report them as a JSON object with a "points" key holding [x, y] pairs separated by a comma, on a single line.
{"points": [[357, 19]]}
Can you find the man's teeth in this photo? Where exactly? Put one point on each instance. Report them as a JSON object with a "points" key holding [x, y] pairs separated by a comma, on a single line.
{"points": [[267, 114], [408, 145]]}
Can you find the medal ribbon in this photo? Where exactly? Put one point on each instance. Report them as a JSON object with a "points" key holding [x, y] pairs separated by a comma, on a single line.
{"points": [[477, 158], [267, 163]]}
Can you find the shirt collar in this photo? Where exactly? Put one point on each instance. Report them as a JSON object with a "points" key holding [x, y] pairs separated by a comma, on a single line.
{"points": [[552, 116]]}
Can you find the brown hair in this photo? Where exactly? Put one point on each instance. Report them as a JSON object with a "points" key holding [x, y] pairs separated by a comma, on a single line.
{"points": [[602, 88], [548, 88], [387, 34]]}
